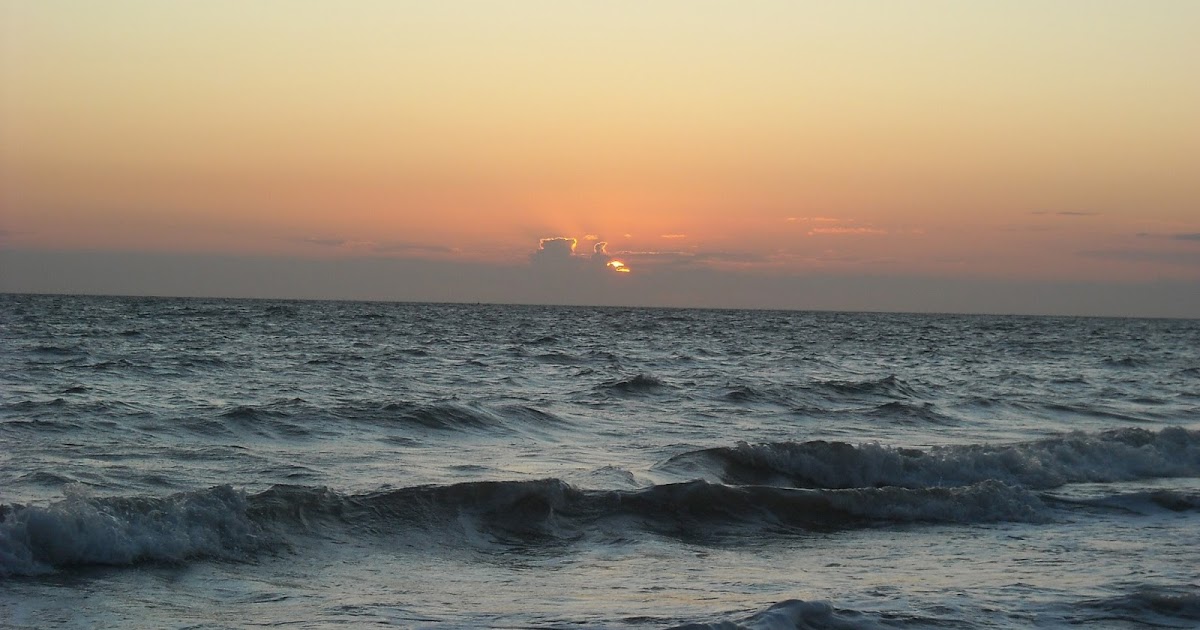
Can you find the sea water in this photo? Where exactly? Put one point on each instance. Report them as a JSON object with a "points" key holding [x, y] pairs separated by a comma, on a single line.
{"points": [[205, 463]]}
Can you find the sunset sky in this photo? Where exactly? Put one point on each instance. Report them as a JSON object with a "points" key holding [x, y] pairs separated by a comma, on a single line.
{"points": [[1010, 156]]}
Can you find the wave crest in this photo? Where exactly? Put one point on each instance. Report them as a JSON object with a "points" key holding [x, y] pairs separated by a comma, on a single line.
{"points": [[121, 531], [1119, 455], [640, 384]]}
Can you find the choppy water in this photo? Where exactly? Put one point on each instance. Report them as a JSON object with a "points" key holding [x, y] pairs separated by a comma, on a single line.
{"points": [[222, 463]]}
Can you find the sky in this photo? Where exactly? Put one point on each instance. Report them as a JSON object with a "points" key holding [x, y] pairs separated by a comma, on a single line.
{"points": [[1013, 156]]}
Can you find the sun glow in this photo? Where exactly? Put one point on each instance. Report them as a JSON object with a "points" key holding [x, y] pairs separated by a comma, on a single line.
{"points": [[618, 266]]}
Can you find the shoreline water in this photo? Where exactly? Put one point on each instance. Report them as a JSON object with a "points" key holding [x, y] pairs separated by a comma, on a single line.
{"points": [[225, 463]]}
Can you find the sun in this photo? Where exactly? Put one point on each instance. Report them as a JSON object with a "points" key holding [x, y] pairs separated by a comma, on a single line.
{"points": [[618, 266]]}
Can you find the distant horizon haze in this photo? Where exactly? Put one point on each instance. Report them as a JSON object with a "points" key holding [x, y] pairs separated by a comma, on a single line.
{"points": [[395, 280]]}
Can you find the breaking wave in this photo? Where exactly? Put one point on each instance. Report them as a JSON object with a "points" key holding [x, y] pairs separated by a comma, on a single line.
{"points": [[120, 531], [1119, 455], [225, 523]]}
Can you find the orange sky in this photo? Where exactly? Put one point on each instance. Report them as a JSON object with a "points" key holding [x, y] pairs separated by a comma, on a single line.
{"points": [[1014, 140]]}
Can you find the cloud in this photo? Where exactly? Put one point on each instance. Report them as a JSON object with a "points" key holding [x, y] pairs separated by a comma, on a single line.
{"points": [[1184, 258], [1179, 236], [673, 236], [409, 248], [404, 247], [555, 248], [325, 242], [600, 255], [845, 231], [555, 258], [679, 260]]}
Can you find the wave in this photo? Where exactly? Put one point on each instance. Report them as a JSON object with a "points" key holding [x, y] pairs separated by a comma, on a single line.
{"points": [[908, 413], [796, 614], [1143, 502], [1089, 409], [886, 387], [296, 418], [34, 405], [1118, 455], [444, 416], [1158, 607], [640, 384], [228, 524], [1125, 362], [1149, 606], [745, 394], [459, 417], [559, 358], [260, 412], [121, 531], [686, 503], [61, 350], [279, 419]]}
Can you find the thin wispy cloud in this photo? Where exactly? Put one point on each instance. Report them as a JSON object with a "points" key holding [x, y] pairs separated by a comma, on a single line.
{"points": [[410, 248], [685, 260], [325, 242], [1175, 257], [1177, 236], [845, 231], [402, 247]]}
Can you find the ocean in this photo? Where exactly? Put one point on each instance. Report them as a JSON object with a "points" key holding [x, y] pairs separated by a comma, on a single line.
{"points": [[208, 463]]}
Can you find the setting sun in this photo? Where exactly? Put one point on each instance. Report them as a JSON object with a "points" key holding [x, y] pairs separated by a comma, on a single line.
{"points": [[922, 275]]}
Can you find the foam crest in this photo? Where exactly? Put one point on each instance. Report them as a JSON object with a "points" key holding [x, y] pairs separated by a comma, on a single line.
{"points": [[1144, 502], [121, 531], [1120, 455]]}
